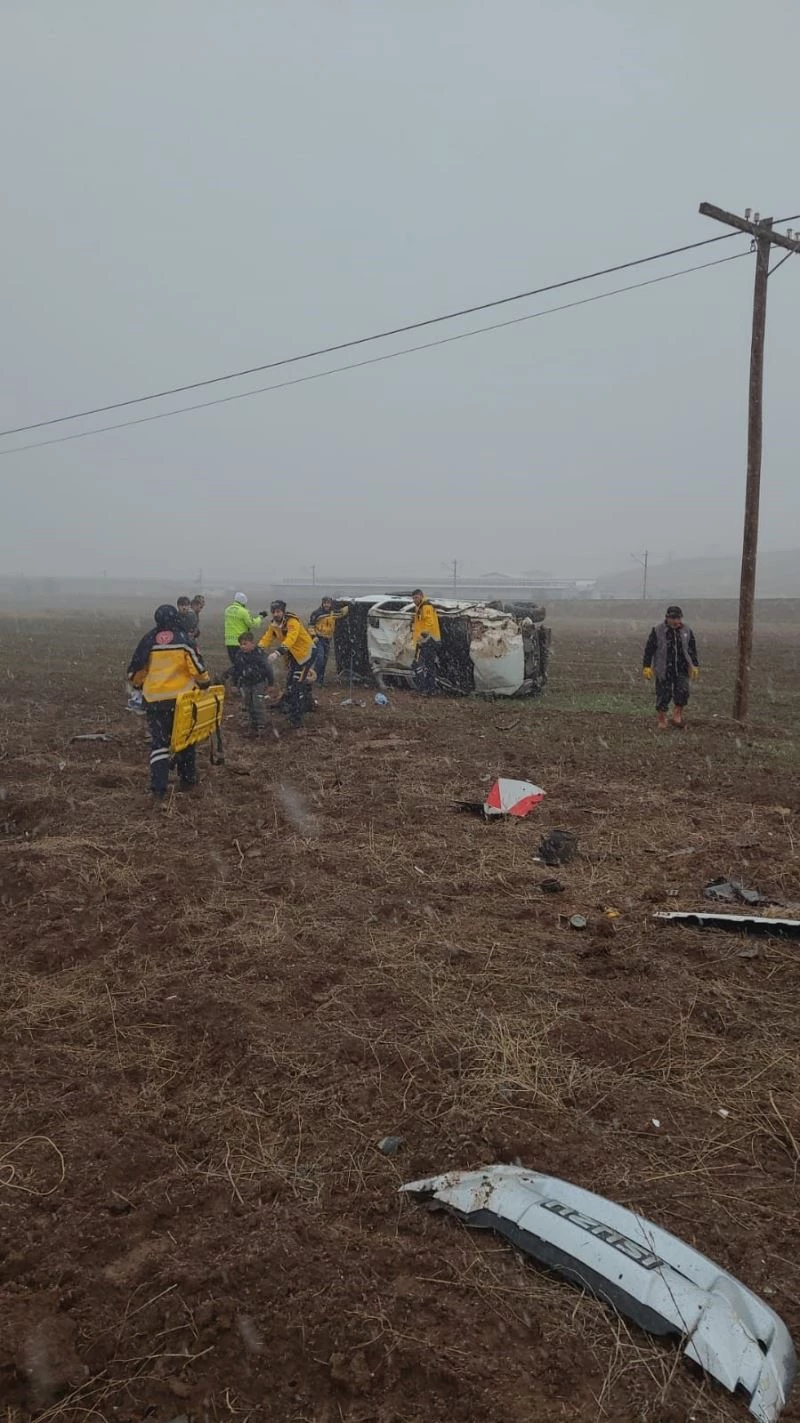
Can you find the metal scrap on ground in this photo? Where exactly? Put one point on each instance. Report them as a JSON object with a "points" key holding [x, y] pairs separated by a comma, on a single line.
{"points": [[732, 892], [648, 1275], [743, 923]]}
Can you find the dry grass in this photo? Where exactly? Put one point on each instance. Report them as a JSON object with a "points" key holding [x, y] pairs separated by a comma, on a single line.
{"points": [[213, 1017]]}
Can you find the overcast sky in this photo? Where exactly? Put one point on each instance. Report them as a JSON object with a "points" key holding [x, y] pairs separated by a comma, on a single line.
{"points": [[191, 187]]}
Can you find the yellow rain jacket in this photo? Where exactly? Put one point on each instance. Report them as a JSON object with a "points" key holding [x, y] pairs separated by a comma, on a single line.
{"points": [[164, 665], [292, 635], [322, 622], [425, 624]]}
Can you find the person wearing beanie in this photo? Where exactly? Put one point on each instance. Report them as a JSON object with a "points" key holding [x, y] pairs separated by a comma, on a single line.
{"points": [[670, 656], [238, 619], [164, 666]]}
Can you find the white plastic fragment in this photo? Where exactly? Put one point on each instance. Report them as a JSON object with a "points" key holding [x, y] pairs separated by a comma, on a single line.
{"points": [[648, 1275]]}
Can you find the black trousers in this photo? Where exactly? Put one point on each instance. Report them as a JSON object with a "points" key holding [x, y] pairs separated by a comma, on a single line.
{"points": [[673, 688], [160, 716], [232, 651], [299, 696], [425, 667]]}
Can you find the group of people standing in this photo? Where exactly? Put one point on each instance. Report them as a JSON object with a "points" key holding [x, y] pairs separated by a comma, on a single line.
{"points": [[167, 662], [304, 648]]}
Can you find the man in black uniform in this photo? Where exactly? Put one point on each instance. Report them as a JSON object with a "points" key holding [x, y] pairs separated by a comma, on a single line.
{"points": [[671, 656]]}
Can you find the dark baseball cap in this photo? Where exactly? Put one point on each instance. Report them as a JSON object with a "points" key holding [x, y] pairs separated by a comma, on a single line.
{"points": [[673, 611]]}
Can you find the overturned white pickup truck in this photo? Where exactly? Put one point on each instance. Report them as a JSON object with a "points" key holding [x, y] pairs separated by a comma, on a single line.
{"points": [[491, 649]]}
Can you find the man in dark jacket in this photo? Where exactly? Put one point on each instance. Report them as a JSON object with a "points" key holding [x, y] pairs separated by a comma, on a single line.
{"points": [[671, 656]]}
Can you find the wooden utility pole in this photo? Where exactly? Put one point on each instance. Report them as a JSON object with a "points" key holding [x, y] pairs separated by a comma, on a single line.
{"points": [[764, 238], [643, 563]]}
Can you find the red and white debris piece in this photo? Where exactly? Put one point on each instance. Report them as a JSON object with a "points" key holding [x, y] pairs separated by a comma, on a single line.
{"points": [[512, 797]]}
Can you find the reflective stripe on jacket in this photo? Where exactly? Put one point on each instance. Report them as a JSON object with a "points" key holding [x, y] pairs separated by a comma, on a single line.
{"points": [[164, 665]]}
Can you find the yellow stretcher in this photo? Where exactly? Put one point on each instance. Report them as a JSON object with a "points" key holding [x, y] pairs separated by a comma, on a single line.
{"points": [[198, 716]]}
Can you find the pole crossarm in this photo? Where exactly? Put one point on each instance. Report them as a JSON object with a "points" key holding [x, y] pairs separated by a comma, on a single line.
{"points": [[762, 228]]}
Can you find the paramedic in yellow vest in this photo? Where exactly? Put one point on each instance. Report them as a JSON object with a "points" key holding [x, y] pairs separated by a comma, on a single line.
{"points": [[427, 638], [238, 619], [163, 666], [287, 635], [321, 625]]}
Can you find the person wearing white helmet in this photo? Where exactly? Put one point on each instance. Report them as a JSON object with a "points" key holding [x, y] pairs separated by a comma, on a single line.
{"points": [[238, 619]]}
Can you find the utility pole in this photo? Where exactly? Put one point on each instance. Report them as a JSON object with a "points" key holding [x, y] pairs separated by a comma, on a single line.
{"points": [[455, 576], [313, 575], [643, 562], [764, 238]]}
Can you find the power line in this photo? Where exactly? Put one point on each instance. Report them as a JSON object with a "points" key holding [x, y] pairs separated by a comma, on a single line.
{"points": [[370, 360], [363, 340]]}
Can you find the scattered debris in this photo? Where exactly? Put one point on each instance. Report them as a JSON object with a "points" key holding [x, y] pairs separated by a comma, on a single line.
{"points": [[648, 1275], [381, 699], [611, 913], [91, 736], [723, 1112], [742, 923], [578, 922], [390, 1145], [749, 954], [655, 1123], [558, 847], [506, 797], [351, 702], [731, 892], [552, 886], [512, 798]]}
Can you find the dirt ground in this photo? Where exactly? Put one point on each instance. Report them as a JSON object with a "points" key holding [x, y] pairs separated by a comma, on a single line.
{"points": [[212, 1015]]}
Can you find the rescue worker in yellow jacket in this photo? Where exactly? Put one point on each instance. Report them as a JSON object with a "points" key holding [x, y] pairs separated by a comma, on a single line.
{"points": [[287, 635], [163, 666], [427, 638], [322, 624]]}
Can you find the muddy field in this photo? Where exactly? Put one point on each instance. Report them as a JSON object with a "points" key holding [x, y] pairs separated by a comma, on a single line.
{"points": [[213, 1014]]}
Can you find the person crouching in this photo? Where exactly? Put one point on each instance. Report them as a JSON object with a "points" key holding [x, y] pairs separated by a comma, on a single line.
{"points": [[163, 666], [287, 635], [252, 673]]}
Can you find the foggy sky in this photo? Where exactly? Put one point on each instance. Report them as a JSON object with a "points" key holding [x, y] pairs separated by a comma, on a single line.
{"points": [[190, 187]]}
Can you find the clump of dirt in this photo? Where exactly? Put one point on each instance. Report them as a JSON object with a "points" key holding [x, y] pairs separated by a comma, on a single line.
{"points": [[32, 815]]}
